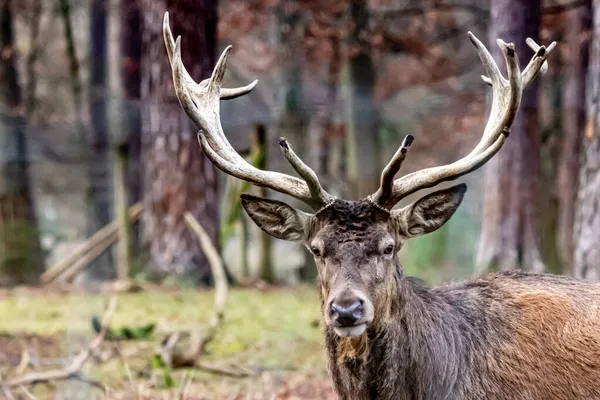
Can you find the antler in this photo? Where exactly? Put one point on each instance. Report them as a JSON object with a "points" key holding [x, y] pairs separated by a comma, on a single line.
{"points": [[201, 102], [506, 100]]}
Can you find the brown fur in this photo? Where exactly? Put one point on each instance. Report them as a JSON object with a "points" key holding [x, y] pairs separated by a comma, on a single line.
{"points": [[352, 349], [556, 343]]}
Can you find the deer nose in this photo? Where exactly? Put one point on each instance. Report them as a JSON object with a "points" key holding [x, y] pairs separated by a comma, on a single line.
{"points": [[346, 311]]}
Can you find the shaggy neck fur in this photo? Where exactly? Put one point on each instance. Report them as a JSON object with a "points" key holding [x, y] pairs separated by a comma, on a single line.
{"points": [[421, 352]]}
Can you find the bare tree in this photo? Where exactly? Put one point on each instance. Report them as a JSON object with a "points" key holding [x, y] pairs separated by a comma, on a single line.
{"points": [[292, 116], [510, 233], [99, 195], [20, 252], [576, 43], [130, 143], [131, 83], [74, 66], [586, 232], [362, 119], [35, 16], [177, 175]]}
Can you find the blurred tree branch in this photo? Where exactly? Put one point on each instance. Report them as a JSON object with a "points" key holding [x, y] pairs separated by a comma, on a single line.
{"points": [[199, 337]]}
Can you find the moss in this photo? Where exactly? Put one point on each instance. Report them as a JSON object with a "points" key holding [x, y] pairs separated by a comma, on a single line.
{"points": [[20, 256]]}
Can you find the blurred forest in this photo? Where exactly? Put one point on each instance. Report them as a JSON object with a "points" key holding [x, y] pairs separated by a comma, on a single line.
{"points": [[103, 183], [91, 126]]}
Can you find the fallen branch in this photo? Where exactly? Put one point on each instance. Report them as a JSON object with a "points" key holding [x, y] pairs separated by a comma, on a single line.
{"points": [[74, 269], [73, 370], [200, 337], [233, 370], [219, 276], [89, 249]]}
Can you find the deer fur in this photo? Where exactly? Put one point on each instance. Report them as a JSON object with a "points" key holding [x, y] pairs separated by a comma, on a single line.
{"points": [[509, 335]]}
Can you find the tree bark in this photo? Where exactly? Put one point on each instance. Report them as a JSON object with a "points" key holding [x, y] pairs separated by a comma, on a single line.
{"points": [[573, 122], [586, 235], [177, 175], [21, 259], [510, 233], [100, 194]]}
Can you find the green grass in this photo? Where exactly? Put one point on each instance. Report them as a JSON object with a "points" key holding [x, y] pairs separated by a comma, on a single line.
{"points": [[275, 326], [277, 329]]}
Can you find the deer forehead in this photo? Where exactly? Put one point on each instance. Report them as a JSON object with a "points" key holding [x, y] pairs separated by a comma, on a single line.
{"points": [[346, 221]]}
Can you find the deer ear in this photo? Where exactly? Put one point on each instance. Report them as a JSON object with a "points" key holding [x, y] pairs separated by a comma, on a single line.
{"points": [[277, 218], [429, 213]]}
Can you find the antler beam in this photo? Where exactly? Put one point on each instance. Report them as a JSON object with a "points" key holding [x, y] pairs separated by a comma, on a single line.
{"points": [[507, 94], [201, 102]]}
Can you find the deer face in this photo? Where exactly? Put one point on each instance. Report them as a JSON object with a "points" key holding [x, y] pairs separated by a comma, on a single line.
{"points": [[354, 244]]}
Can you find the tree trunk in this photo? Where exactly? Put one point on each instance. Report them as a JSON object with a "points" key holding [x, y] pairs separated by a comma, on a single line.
{"points": [[321, 83], [292, 116], [74, 70], [363, 122], [100, 194], [573, 121], [177, 175], [510, 233], [131, 83], [123, 250], [265, 266], [322, 79], [20, 252], [586, 235], [32, 57]]}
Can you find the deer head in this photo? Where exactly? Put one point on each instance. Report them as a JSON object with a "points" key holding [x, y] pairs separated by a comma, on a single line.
{"points": [[354, 243]]}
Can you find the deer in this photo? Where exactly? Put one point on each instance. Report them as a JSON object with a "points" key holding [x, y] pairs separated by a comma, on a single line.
{"points": [[504, 335]]}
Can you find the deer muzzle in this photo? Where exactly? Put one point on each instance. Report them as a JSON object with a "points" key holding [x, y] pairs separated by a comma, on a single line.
{"points": [[349, 313]]}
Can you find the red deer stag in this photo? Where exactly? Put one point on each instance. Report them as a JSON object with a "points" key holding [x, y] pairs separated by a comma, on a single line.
{"points": [[509, 335]]}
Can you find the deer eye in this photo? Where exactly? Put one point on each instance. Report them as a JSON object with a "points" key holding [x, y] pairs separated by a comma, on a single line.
{"points": [[389, 249], [315, 250]]}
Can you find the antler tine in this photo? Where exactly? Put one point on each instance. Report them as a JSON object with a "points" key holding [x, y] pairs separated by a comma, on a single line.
{"points": [[226, 94], [309, 176], [387, 176], [537, 65], [506, 100], [487, 60], [201, 102]]}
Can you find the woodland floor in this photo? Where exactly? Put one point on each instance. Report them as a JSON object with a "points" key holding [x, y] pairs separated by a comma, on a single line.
{"points": [[273, 332]]}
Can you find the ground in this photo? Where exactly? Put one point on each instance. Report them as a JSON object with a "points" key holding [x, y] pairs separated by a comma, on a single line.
{"points": [[274, 333]]}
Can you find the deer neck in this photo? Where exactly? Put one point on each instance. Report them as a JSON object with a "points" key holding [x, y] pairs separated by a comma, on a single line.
{"points": [[406, 356]]}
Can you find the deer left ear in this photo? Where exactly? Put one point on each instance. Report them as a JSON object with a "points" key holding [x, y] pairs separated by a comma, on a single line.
{"points": [[277, 218], [429, 213]]}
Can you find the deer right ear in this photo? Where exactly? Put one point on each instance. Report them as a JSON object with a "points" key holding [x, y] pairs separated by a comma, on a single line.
{"points": [[429, 213], [277, 218]]}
